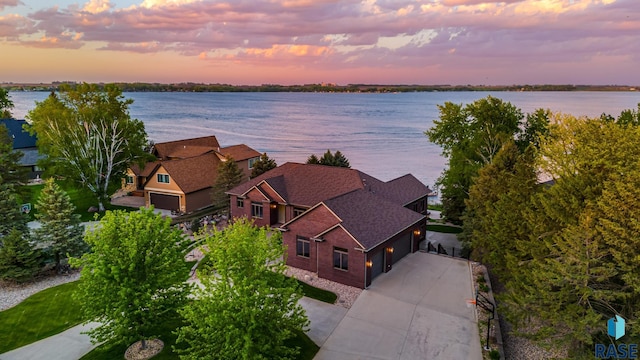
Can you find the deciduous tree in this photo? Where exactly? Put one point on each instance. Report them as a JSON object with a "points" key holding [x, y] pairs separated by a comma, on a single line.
{"points": [[5, 104], [134, 278], [61, 231], [247, 308], [263, 165], [89, 136]]}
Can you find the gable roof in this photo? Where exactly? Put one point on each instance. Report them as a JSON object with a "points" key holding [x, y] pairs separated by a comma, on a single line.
{"points": [[371, 219], [191, 174], [404, 190], [146, 171], [239, 152], [185, 148], [21, 139], [305, 184]]}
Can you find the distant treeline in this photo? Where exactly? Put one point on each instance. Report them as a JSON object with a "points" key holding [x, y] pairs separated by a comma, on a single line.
{"points": [[351, 88]]}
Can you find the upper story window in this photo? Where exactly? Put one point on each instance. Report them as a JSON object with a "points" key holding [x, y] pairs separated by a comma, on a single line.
{"points": [[298, 211], [163, 178], [256, 210], [252, 161], [302, 246], [129, 179], [240, 202], [340, 258]]}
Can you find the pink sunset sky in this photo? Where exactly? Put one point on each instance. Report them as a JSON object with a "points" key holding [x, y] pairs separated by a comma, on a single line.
{"points": [[312, 41]]}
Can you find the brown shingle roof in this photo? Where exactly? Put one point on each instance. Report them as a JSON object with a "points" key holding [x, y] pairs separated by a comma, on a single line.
{"points": [[146, 171], [306, 184], [370, 218], [193, 174], [239, 152], [169, 149], [404, 190]]}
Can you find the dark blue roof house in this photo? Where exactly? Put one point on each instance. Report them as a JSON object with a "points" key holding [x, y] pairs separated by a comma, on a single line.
{"points": [[25, 143]]}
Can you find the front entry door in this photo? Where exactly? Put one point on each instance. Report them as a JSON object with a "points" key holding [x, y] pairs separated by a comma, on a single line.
{"points": [[281, 214]]}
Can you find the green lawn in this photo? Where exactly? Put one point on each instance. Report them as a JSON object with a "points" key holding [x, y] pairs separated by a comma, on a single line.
{"points": [[43, 314], [444, 229], [82, 199]]}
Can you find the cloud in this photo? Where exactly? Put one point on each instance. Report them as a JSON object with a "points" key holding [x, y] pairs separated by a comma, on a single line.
{"points": [[9, 3], [342, 33]]}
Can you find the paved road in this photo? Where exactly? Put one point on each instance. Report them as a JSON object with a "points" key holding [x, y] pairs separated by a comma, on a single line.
{"points": [[418, 310]]}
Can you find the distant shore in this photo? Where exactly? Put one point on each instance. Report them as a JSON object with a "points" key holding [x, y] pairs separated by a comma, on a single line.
{"points": [[324, 87]]}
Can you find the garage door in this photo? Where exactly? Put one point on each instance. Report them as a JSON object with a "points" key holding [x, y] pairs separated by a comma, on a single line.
{"points": [[377, 264], [401, 247], [167, 202]]}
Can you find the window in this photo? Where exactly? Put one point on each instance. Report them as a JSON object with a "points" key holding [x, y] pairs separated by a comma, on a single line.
{"points": [[251, 162], [256, 210], [240, 202], [163, 178], [298, 211], [129, 179], [302, 246], [340, 259]]}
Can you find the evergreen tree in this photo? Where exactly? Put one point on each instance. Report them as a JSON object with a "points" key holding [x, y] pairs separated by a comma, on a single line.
{"points": [[330, 159], [10, 169], [61, 231], [10, 215], [313, 159], [263, 165], [5, 104], [19, 261], [229, 176], [247, 308]]}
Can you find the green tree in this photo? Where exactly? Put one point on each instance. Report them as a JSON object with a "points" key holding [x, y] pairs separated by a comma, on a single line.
{"points": [[10, 169], [19, 261], [263, 165], [229, 176], [10, 215], [61, 232], [88, 136], [330, 159], [247, 308], [5, 104], [470, 137], [133, 279]]}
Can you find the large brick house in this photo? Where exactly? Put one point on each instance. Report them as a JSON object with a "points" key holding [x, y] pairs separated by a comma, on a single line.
{"points": [[342, 224], [181, 178]]}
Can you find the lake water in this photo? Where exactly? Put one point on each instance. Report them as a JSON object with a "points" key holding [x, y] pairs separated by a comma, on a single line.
{"points": [[380, 134]]}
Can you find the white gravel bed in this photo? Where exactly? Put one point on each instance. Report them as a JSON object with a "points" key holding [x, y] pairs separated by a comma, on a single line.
{"points": [[347, 295], [12, 295]]}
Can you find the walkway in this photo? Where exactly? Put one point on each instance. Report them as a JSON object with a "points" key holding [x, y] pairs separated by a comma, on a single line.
{"points": [[418, 310]]}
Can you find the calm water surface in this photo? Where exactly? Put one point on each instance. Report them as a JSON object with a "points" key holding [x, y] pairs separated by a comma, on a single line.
{"points": [[381, 134]]}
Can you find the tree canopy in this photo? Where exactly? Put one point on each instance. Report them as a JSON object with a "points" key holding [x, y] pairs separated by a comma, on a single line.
{"points": [[11, 172], [229, 176], [263, 165], [5, 104], [88, 136], [134, 278], [247, 308], [470, 136], [330, 159]]}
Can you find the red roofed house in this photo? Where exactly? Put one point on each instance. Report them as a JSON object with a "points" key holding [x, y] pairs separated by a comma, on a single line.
{"points": [[340, 223], [184, 172]]}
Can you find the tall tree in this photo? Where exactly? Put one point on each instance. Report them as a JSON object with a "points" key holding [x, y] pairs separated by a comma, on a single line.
{"points": [[19, 261], [263, 165], [61, 231], [470, 137], [5, 104], [229, 176], [134, 277], [10, 215], [247, 308], [10, 169], [89, 136]]}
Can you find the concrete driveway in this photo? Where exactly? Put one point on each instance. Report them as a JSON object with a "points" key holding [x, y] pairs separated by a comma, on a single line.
{"points": [[418, 310]]}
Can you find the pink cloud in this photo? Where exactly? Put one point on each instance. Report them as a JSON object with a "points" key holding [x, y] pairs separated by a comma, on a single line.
{"points": [[9, 3]]}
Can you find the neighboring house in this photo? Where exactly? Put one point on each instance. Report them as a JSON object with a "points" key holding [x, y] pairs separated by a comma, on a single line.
{"points": [[26, 144], [181, 178], [340, 223]]}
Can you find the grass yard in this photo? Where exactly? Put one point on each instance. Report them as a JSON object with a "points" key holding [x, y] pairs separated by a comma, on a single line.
{"points": [[444, 229], [43, 314], [81, 198]]}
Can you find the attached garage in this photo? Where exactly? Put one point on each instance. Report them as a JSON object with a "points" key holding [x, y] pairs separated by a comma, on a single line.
{"points": [[401, 247], [163, 201]]}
